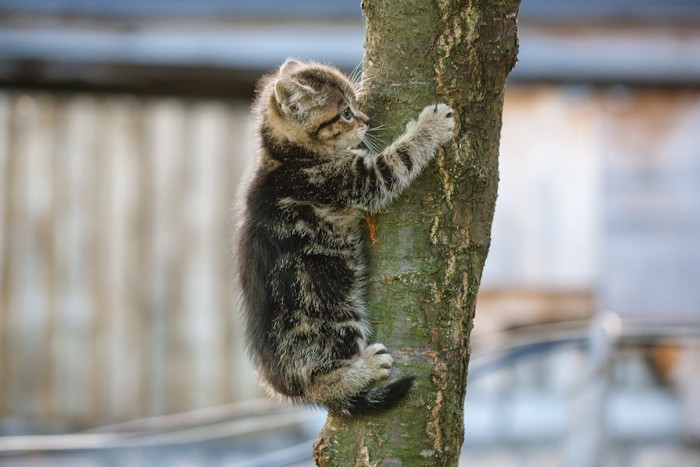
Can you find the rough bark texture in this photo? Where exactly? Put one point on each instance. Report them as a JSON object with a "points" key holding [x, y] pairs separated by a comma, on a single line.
{"points": [[431, 244]]}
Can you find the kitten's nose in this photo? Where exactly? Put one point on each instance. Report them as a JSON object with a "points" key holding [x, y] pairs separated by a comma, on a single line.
{"points": [[363, 118]]}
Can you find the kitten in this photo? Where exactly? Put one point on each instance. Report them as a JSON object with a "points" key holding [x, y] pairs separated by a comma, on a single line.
{"points": [[300, 263]]}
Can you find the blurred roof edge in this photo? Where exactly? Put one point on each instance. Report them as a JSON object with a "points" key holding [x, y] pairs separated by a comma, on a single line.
{"points": [[219, 47], [531, 10]]}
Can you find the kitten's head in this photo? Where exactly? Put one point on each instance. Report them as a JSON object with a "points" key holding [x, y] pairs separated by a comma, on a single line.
{"points": [[316, 105]]}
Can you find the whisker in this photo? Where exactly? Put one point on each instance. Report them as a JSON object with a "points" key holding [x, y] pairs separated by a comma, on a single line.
{"points": [[363, 83], [360, 86], [373, 148], [356, 73], [370, 144], [373, 143], [376, 128], [357, 80], [372, 135]]}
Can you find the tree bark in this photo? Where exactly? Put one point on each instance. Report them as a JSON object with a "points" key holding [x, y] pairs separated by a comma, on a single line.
{"points": [[431, 244]]}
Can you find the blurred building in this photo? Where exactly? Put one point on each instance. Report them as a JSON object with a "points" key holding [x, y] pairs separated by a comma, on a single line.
{"points": [[123, 129]]}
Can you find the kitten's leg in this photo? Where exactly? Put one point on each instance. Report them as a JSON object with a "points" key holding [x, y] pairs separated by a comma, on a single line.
{"points": [[383, 177]]}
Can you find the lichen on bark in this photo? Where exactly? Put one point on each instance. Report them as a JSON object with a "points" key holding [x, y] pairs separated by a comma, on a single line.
{"points": [[431, 244]]}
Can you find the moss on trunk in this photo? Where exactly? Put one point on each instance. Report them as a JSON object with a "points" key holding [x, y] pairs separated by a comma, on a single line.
{"points": [[431, 243]]}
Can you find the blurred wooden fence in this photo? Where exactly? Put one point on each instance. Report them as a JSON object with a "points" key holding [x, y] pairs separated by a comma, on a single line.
{"points": [[115, 218], [115, 214]]}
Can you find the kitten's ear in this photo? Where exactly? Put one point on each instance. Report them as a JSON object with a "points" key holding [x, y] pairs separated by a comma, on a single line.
{"points": [[288, 66], [289, 92]]}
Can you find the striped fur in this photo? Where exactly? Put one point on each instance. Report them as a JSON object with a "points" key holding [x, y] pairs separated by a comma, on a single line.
{"points": [[300, 264]]}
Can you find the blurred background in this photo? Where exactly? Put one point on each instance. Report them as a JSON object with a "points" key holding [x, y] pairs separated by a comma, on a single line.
{"points": [[123, 131]]}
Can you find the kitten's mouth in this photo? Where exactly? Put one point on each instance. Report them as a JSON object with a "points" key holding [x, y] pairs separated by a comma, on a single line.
{"points": [[361, 132], [350, 141]]}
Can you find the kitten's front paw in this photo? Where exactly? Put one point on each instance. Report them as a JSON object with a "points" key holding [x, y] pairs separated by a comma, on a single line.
{"points": [[439, 119]]}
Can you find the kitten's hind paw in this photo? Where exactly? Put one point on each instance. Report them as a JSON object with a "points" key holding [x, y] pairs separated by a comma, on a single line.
{"points": [[378, 358]]}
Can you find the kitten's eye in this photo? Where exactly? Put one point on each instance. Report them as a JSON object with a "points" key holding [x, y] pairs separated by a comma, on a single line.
{"points": [[347, 114]]}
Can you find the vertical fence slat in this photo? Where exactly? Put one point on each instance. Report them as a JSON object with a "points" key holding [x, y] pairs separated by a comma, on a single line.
{"points": [[30, 268], [203, 211], [122, 164], [98, 211], [16, 178], [239, 159], [5, 246], [171, 379], [74, 245]]}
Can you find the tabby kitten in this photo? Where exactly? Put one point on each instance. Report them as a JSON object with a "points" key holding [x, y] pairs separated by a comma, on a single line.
{"points": [[300, 263]]}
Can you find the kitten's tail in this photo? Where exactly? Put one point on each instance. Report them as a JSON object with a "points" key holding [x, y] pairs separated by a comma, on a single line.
{"points": [[374, 399]]}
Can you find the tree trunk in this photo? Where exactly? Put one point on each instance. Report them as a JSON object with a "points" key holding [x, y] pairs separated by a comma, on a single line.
{"points": [[431, 243]]}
